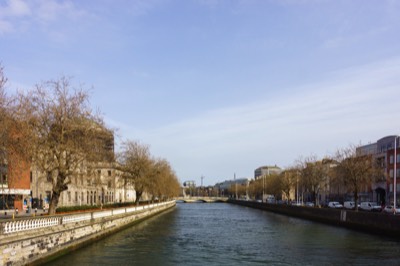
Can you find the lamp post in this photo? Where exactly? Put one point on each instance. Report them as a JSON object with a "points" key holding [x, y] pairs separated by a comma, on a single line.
{"points": [[234, 178], [263, 192], [297, 185], [395, 174]]}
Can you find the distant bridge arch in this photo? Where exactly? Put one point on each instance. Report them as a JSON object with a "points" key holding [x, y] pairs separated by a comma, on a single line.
{"points": [[201, 199]]}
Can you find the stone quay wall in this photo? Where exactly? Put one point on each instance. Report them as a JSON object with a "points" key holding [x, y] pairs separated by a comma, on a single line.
{"points": [[371, 222], [35, 240]]}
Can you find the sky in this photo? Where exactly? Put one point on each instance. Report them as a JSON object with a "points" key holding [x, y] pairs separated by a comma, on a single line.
{"points": [[218, 87]]}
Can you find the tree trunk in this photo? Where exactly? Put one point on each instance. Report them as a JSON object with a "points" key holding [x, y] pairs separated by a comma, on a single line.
{"points": [[57, 190], [356, 200], [53, 203], [138, 196]]}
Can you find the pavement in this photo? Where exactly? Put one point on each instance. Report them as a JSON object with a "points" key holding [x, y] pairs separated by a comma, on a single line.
{"points": [[9, 214]]}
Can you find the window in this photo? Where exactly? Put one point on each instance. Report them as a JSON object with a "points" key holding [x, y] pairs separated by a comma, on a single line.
{"points": [[391, 159], [48, 195], [3, 179], [109, 172], [391, 188], [99, 172], [398, 158], [76, 196], [69, 196], [30, 175], [391, 172]]}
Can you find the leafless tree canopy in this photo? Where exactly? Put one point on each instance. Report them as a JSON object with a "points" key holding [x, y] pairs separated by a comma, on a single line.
{"points": [[135, 163], [356, 172], [64, 132], [154, 176]]}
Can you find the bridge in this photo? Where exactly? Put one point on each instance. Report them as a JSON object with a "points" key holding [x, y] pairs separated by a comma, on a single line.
{"points": [[201, 199]]}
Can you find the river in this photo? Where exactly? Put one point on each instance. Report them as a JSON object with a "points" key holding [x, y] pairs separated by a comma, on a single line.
{"points": [[226, 234]]}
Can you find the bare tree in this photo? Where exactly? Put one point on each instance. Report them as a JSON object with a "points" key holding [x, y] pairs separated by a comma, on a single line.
{"points": [[274, 185], [65, 133], [357, 171], [135, 163], [314, 174], [288, 181], [164, 183], [168, 182], [4, 117]]}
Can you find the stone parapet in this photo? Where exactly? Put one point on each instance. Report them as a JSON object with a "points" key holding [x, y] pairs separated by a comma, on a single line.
{"points": [[371, 222], [31, 240]]}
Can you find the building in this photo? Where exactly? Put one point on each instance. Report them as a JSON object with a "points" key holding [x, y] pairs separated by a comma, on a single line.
{"points": [[97, 181], [189, 188], [14, 172], [384, 152], [14, 187], [236, 188], [266, 171]]}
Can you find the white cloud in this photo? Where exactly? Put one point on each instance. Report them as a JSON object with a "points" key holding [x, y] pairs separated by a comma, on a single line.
{"points": [[313, 119], [15, 8], [20, 15]]}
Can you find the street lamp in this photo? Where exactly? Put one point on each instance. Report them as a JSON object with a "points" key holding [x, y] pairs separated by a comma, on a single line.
{"points": [[395, 170], [297, 185]]}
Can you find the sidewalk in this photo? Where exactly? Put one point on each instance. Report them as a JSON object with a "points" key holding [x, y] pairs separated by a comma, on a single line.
{"points": [[8, 214]]}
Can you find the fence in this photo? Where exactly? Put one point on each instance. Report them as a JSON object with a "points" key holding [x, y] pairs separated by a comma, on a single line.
{"points": [[33, 223]]}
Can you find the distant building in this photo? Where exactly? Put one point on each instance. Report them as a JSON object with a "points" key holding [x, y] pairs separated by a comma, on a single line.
{"points": [[229, 183], [189, 188], [383, 150], [266, 171], [236, 188], [189, 184]]}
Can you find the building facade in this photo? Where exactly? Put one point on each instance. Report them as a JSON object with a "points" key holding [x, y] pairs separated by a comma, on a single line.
{"points": [[387, 156], [266, 171], [14, 183]]}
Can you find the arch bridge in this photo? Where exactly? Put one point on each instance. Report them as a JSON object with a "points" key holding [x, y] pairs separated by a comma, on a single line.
{"points": [[201, 199]]}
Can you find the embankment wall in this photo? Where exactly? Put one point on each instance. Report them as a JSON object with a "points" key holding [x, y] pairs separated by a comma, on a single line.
{"points": [[35, 240], [371, 222]]}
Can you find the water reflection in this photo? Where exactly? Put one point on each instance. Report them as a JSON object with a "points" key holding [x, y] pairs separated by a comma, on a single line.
{"points": [[219, 233]]}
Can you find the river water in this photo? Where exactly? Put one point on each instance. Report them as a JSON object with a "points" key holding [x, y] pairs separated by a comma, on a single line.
{"points": [[226, 234]]}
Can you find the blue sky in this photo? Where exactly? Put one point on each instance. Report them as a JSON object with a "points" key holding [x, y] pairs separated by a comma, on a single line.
{"points": [[219, 87]]}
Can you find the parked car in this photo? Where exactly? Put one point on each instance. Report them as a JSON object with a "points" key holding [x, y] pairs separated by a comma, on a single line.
{"points": [[309, 204], [370, 206], [390, 209], [335, 205], [350, 205]]}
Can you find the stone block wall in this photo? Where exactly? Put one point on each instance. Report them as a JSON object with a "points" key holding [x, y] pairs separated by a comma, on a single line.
{"points": [[34, 246], [371, 222]]}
